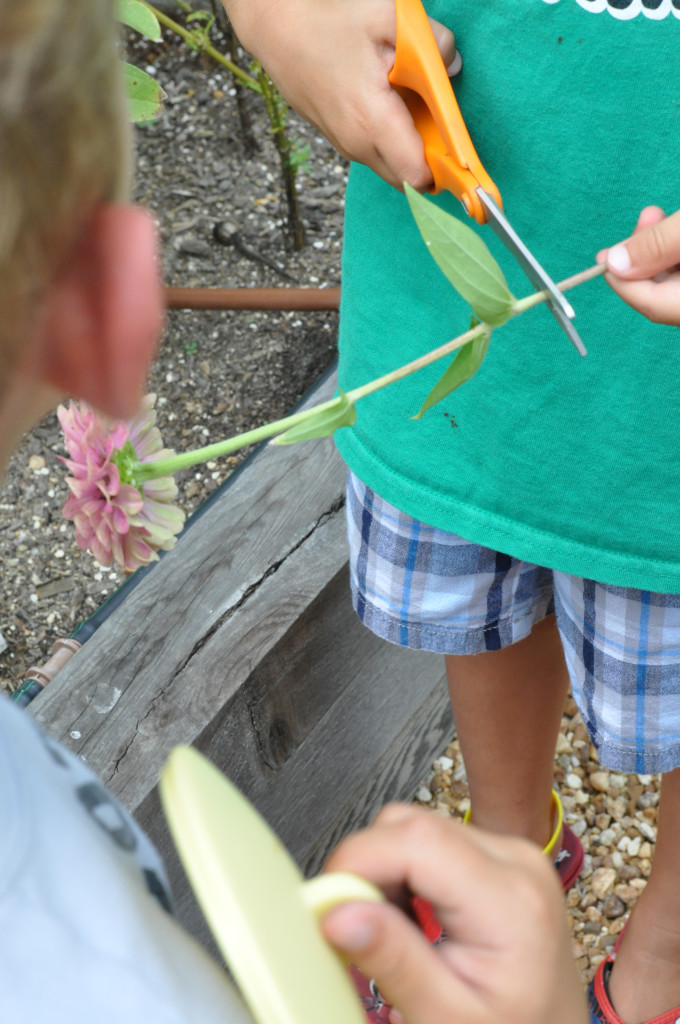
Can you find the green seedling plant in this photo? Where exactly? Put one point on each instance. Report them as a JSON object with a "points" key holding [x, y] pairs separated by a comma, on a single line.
{"points": [[292, 154], [200, 23], [292, 158], [197, 38]]}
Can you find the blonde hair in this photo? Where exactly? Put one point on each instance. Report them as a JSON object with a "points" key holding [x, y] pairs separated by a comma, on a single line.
{"points": [[63, 144]]}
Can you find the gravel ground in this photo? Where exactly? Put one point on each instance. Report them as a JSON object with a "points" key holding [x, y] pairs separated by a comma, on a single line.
{"points": [[218, 373]]}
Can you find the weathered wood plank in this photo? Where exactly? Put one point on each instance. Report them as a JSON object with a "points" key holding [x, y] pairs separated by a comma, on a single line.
{"points": [[373, 745], [243, 642]]}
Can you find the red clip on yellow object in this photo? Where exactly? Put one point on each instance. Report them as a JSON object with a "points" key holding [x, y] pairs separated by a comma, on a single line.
{"points": [[421, 79]]}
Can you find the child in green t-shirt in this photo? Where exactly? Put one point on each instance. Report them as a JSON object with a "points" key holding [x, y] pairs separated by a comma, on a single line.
{"points": [[80, 312], [546, 484]]}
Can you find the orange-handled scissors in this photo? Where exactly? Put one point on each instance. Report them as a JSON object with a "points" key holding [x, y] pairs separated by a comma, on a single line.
{"points": [[420, 76]]}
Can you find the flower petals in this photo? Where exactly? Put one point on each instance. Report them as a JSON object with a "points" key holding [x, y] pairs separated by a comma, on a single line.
{"points": [[117, 520]]}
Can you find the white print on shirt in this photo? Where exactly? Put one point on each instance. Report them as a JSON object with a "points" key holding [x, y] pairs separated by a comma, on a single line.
{"points": [[627, 9]]}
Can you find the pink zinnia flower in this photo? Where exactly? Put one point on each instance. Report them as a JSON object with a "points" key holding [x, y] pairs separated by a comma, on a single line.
{"points": [[117, 518]]}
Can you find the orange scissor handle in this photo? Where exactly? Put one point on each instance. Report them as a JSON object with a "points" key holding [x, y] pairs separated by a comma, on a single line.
{"points": [[421, 78]]}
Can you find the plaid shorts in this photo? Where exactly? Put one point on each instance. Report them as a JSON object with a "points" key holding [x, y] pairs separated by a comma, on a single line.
{"points": [[430, 590]]}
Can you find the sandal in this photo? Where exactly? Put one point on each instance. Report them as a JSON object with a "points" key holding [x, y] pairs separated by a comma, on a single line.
{"points": [[600, 1006]]}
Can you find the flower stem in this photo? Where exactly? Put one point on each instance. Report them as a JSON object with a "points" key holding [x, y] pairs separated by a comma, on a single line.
{"points": [[519, 306], [163, 467]]}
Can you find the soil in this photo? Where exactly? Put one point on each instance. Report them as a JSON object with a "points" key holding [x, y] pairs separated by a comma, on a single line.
{"points": [[218, 373]]}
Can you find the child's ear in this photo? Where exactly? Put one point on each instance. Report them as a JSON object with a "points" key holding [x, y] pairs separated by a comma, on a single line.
{"points": [[104, 313]]}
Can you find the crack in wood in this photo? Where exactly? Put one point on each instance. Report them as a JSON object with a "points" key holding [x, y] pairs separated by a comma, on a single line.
{"points": [[336, 507]]}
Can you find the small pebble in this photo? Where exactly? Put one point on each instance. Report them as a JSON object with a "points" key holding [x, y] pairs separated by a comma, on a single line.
{"points": [[647, 831], [444, 763], [613, 906], [602, 881], [600, 781], [618, 781], [627, 893]]}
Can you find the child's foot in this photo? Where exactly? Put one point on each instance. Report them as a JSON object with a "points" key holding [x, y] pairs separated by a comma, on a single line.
{"points": [[602, 1008], [640, 981]]}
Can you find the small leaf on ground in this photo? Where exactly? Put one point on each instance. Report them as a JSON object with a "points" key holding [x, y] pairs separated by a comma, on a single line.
{"points": [[140, 18], [465, 364], [464, 258], [340, 414], [145, 96]]}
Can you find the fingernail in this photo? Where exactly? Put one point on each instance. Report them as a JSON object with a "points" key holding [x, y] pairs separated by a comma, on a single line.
{"points": [[347, 930], [618, 259], [455, 65]]}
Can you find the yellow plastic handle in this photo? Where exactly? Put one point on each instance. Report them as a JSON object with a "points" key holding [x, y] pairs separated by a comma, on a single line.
{"points": [[324, 892], [420, 76]]}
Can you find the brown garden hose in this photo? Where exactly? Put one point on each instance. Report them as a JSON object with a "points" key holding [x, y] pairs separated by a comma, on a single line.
{"points": [[252, 298]]}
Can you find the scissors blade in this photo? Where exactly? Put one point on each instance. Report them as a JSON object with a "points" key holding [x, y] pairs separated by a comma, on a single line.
{"points": [[559, 307]]}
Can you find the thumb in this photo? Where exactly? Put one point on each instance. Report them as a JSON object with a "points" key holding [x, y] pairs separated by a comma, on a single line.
{"points": [[410, 974], [653, 248]]}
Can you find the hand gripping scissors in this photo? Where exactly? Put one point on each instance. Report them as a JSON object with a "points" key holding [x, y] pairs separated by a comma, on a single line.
{"points": [[420, 77]]}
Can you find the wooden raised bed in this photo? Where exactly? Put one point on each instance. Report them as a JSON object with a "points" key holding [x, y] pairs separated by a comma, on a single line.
{"points": [[243, 642]]}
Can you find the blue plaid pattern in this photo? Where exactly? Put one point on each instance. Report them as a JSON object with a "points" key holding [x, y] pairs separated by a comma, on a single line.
{"points": [[427, 589]]}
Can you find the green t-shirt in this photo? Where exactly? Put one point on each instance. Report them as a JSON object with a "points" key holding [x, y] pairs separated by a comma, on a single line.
{"points": [[570, 463]]}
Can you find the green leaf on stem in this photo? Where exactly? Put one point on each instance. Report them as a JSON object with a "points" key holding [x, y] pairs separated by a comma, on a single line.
{"points": [[341, 413], [465, 364], [140, 18], [145, 96], [464, 258]]}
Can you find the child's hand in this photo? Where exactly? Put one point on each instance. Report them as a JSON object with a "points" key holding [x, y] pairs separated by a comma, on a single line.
{"points": [[645, 269], [330, 60], [508, 954]]}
